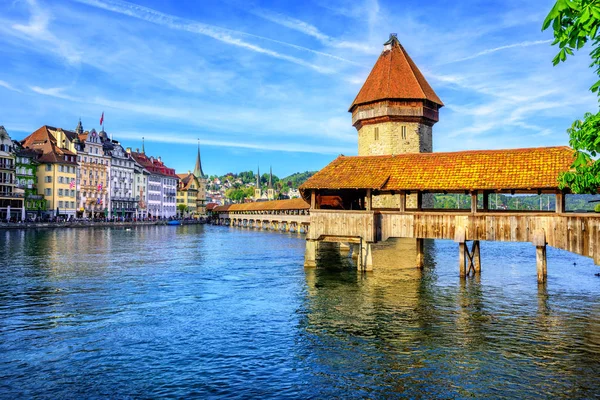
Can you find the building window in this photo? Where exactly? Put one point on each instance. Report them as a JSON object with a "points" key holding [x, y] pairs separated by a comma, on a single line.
{"points": [[48, 179], [72, 193], [48, 192], [403, 132], [60, 192], [376, 133], [60, 204], [48, 167]]}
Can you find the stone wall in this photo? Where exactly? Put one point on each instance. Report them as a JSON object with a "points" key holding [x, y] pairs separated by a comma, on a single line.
{"points": [[389, 140]]}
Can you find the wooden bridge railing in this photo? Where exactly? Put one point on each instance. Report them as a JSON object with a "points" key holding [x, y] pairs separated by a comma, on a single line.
{"points": [[576, 233]]}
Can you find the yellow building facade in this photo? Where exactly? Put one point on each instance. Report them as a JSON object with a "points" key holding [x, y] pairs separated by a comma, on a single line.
{"points": [[57, 171]]}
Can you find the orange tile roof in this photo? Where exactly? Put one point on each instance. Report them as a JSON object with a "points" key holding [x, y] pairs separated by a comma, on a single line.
{"points": [[44, 143], [273, 205], [395, 76], [519, 169]]}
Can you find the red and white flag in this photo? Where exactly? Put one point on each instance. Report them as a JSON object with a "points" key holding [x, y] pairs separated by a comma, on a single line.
{"points": [[72, 185], [102, 118]]}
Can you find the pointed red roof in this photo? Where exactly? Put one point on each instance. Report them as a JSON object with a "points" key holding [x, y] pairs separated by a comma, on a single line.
{"points": [[395, 76]]}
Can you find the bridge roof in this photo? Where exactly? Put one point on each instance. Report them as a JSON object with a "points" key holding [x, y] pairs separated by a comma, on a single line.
{"points": [[273, 205], [519, 169]]}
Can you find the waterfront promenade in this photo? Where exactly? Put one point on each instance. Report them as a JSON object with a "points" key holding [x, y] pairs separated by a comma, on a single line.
{"points": [[91, 224]]}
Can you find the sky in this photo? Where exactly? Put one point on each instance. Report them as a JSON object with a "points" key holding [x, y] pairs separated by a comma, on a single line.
{"points": [[269, 83]]}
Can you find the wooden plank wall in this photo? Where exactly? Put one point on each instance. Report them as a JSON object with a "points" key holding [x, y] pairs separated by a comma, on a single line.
{"points": [[342, 223], [577, 234]]}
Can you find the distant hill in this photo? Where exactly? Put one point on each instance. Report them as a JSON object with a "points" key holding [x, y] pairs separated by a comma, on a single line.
{"points": [[297, 179]]}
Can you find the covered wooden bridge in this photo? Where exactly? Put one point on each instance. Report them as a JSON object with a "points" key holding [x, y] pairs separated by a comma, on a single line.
{"points": [[283, 215], [390, 196]]}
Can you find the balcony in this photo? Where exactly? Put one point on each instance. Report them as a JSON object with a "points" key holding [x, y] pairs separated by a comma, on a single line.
{"points": [[35, 197], [4, 165], [9, 181], [11, 195]]}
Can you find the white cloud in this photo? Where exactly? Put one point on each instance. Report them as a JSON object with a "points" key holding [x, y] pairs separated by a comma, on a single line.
{"points": [[8, 86], [313, 31], [500, 48], [214, 32], [37, 30]]}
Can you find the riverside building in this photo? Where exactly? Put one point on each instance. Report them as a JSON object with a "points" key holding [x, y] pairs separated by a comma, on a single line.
{"points": [[93, 175], [11, 202], [57, 171]]}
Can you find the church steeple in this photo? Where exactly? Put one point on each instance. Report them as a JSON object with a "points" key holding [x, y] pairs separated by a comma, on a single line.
{"points": [[79, 129], [270, 190], [257, 188], [396, 108], [270, 177], [198, 173], [143, 148]]}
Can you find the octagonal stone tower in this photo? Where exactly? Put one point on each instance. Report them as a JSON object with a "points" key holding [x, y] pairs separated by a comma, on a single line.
{"points": [[395, 110]]}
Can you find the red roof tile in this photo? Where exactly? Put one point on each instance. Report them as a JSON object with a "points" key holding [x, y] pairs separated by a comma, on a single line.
{"points": [[280, 205], [395, 76], [530, 168]]}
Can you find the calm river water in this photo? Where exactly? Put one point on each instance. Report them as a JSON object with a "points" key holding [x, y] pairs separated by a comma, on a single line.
{"points": [[203, 311]]}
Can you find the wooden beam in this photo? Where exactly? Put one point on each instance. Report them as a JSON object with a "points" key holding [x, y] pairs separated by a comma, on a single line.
{"points": [[560, 203], [474, 202], [419, 201], [486, 200], [313, 199], [369, 200], [420, 256], [402, 207]]}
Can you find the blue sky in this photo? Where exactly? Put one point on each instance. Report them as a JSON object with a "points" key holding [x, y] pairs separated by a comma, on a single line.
{"points": [[270, 83]]}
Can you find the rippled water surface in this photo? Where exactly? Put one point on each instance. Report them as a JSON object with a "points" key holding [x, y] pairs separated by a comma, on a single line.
{"points": [[202, 311]]}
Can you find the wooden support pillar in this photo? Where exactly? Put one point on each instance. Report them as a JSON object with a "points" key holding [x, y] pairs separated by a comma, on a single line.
{"points": [[486, 201], [539, 241], [355, 251], [344, 249], [365, 258], [460, 238], [474, 202], [419, 201], [313, 199], [560, 203], [310, 254], [402, 206], [420, 258], [369, 200], [476, 257]]}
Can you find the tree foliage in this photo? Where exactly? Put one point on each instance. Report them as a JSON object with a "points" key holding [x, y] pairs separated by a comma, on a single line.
{"points": [[575, 23]]}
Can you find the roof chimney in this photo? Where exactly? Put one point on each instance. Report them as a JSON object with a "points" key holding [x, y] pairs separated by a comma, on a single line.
{"points": [[128, 150]]}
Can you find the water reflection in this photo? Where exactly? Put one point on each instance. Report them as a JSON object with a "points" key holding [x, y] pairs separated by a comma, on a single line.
{"points": [[216, 312]]}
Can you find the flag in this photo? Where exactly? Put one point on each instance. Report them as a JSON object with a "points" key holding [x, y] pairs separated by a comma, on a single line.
{"points": [[72, 185], [99, 187], [102, 118], [99, 201]]}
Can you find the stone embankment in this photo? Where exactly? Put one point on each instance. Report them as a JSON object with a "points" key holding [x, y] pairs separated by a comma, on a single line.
{"points": [[90, 224]]}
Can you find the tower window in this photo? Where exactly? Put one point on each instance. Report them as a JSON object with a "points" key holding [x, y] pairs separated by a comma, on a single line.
{"points": [[403, 132], [376, 133]]}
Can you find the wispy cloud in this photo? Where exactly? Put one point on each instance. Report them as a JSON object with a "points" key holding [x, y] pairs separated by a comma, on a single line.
{"points": [[37, 31], [264, 146], [500, 48], [8, 86], [313, 31], [214, 32]]}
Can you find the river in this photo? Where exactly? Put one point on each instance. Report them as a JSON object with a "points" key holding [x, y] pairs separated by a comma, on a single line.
{"points": [[208, 311]]}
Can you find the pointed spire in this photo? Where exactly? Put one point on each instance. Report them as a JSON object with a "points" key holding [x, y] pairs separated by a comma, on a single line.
{"points": [[198, 173], [79, 129], [270, 177], [395, 76], [258, 177], [143, 149]]}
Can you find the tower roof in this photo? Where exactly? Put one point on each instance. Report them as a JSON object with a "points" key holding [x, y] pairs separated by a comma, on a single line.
{"points": [[198, 169], [395, 76]]}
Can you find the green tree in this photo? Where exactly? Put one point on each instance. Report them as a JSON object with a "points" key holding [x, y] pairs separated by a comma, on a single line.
{"points": [[575, 23], [182, 208]]}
